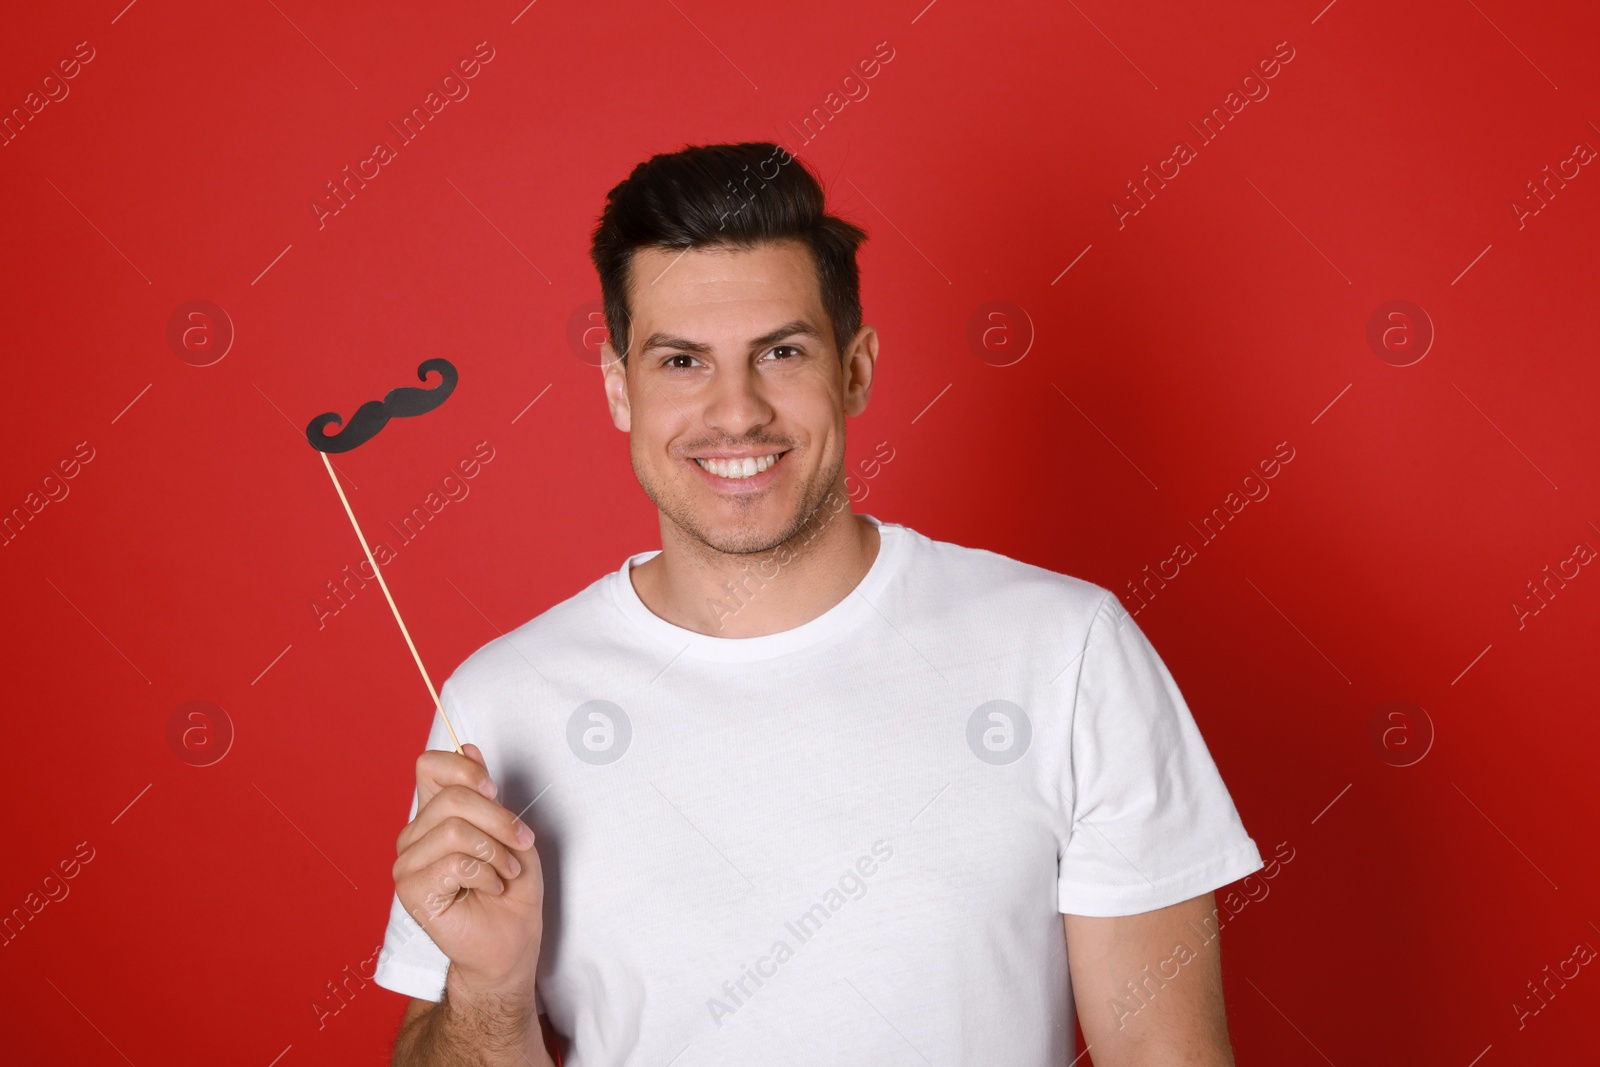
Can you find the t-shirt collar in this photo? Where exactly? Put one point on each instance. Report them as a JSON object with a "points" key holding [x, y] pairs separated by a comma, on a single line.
{"points": [[837, 619]]}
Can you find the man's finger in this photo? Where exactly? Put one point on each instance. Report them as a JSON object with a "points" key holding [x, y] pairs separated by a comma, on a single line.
{"points": [[437, 769], [451, 835], [436, 888], [459, 801]]}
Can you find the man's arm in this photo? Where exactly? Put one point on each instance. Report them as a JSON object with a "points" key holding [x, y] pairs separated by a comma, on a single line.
{"points": [[487, 1032], [1149, 987]]}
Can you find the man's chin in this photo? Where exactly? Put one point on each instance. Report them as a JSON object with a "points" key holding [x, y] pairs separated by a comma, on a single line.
{"points": [[743, 541], [752, 534]]}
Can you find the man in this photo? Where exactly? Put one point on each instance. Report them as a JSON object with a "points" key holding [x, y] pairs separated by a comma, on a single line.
{"points": [[808, 786]]}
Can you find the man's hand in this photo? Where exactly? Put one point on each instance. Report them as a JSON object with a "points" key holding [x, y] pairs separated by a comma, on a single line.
{"points": [[468, 874]]}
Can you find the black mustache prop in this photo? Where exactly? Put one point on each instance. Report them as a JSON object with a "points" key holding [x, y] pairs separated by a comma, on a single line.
{"points": [[404, 402]]}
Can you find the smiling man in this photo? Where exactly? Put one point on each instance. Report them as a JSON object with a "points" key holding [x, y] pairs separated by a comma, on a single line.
{"points": [[911, 802]]}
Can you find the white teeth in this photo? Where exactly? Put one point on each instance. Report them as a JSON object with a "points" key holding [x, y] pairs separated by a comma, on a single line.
{"points": [[738, 468]]}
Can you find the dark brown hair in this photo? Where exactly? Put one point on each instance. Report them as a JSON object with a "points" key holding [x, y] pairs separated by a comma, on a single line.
{"points": [[729, 195]]}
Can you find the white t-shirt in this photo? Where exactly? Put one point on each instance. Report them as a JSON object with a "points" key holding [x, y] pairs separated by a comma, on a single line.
{"points": [[845, 841]]}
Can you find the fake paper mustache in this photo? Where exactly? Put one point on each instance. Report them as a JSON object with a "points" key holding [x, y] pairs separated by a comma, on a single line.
{"points": [[405, 402]]}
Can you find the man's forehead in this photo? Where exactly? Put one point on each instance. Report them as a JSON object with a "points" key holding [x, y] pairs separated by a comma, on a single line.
{"points": [[698, 289]]}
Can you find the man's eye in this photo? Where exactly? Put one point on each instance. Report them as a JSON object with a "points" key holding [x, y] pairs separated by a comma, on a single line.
{"points": [[670, 360], [791, 348]]}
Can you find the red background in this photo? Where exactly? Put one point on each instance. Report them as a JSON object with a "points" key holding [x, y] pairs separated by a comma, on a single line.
{"points": [[1228, 315]]}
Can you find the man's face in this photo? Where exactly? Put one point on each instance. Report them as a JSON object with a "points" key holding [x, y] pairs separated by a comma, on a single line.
{"points": [[733, 364]]}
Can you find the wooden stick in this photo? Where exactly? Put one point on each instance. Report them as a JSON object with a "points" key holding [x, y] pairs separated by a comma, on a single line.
{"points": [[326, 462]]}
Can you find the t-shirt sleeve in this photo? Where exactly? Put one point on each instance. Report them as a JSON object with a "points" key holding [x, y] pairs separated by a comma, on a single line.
{"points": [[409, 962], [1151, 822]]}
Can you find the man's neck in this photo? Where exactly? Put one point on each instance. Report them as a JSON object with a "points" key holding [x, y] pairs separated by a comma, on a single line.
{"points": [[766, 593]]}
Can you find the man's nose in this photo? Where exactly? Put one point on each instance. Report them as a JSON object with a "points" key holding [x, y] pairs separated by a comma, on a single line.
{"points": [[737, 401]]}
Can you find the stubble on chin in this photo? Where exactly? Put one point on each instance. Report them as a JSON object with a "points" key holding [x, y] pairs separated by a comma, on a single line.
{"points": [[675, 501]]}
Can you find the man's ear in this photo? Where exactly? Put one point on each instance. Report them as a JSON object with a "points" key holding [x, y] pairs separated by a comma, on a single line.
{"points": [[860, 361], [615, 374]]}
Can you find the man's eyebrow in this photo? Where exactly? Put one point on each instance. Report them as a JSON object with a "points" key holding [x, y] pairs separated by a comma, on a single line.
{"points": [[796, 328]]}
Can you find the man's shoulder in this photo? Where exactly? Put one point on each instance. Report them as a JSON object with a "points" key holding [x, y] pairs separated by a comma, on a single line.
{"points": [[559, 634], [958, 573]]}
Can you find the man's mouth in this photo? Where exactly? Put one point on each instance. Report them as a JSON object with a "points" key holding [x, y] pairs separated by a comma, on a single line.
{"points": [[739, 467]]}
